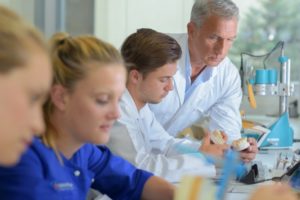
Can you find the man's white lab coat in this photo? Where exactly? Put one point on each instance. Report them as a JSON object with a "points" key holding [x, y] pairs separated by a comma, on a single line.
{"points": [[219, 98], [140, 139]]}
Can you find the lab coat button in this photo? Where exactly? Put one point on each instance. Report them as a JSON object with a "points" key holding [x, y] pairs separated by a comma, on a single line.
{"points": [[77, 173]]}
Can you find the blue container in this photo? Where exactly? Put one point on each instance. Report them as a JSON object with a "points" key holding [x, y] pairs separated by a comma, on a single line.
{"points": [[272, 76], [261, 76]]}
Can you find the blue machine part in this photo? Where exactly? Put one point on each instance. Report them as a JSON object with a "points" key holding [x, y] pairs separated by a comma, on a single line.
{"points": [[283, 59], [281, 134]]}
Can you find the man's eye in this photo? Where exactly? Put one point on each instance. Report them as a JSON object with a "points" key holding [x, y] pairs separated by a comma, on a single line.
{"points": [[164, 80], [231, 39], [213, 37], [101, 102]]}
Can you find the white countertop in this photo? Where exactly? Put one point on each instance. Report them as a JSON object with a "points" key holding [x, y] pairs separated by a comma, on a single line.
{"points": [[268, 158]]}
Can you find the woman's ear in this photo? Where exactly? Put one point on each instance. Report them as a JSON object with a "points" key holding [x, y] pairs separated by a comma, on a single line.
{"points": [[59, 96]]}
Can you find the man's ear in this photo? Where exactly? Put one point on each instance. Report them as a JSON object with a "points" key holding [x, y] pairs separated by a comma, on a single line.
{"points": [[191, 28], [134, 76], [59, 96]]}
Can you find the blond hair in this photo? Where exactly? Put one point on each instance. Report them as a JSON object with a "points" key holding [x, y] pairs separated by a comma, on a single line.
{"points": [[69, 56], [16, 36]]}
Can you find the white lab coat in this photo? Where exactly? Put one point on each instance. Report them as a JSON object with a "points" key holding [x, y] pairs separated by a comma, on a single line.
{"points": [[139, 138], [219, 98]]}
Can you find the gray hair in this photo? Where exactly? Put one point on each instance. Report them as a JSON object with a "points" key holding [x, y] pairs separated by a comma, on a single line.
{"points": [[202, 9]]}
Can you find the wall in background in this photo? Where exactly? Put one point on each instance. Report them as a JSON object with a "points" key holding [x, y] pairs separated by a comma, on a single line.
{"points": [[115, 19], [23, 8]]}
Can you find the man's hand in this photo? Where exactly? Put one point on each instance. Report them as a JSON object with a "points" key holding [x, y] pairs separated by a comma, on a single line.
{"points": [[249, 154], [213, 149]]}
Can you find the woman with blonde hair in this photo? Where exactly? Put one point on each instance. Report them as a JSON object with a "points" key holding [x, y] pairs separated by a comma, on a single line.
{"points": [[25, 76], [89, 79]]}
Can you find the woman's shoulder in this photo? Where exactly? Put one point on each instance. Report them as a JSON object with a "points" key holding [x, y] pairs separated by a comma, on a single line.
{"points": [[39, 152]]}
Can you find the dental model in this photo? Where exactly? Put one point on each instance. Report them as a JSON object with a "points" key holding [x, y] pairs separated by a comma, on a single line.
{"points": [[216, 137], [240, 144]]}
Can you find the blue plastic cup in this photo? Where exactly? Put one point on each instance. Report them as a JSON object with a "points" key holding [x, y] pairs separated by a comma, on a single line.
{"points": [[272, 76], [261, 76]]}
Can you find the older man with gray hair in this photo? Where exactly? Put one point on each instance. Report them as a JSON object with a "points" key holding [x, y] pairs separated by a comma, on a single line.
{"points": [[207, 83]]}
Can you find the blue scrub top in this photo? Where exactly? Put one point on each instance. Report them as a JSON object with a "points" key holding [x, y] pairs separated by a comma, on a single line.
{"points": [[40, 175]]}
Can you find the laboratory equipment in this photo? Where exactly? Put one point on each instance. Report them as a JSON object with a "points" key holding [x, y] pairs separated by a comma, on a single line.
{"points": [[262, 80]]}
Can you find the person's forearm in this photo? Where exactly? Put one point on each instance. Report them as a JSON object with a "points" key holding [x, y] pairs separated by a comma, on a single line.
{"points": [[157, 188]]}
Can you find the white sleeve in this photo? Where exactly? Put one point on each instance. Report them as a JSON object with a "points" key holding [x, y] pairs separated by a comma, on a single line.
{"points": [[170, 164], [164, 143], [225, 114]]}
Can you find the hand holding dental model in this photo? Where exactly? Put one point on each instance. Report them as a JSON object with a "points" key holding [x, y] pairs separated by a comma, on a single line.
{"points": [[239, 145], [246, 146], [217, 137], [214, 145]]}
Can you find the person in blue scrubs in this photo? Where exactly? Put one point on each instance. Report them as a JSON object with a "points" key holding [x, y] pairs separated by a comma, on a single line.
{"points": [[89, 79], [24, 61]]}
